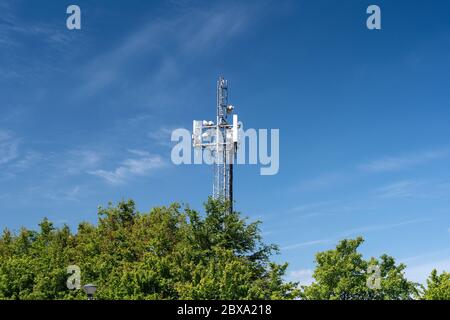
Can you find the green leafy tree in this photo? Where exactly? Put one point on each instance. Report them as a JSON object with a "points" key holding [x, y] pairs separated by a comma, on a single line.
{"points": [[168, 253], [342, 274], [438, 286]]}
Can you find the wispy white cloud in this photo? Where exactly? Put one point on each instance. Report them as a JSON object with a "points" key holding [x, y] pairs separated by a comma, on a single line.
{"points": [[322, 181], [386, 164], [172, 43], [142, 165], [303, 276], [414, 189], [15, 158], [80, 160], [400, 189], [13, 28], [306, 244], [353, 232], [403, 162], [11, 113], [162, 136], [26, 161], [71, 194], [380, 227], [308, 207], [215, 27], [8, 147], [421, 271], [433, 255], [267, 233], [49, 43], [320, 209]]}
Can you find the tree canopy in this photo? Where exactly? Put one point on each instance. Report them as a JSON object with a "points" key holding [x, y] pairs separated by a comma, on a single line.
{"points": [[168, 253], [175, 252], [438, 286], [342, 274]]}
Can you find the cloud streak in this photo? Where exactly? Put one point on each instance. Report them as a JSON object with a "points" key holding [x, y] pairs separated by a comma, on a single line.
{"points": [[323, 181], [162, 136], [353, 232], [403, 162], [377, 166], [8, 147], [305, 244], [400, 189], [421, 271], [414, 189], [13, 29], [171, 42], [380, 227], [78, 161], [303, 276], [141, 165]]}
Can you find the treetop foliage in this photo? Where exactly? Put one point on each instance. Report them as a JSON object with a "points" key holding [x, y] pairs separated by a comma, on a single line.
{"points": [[175, 252], [168, 253], [342, 274]]}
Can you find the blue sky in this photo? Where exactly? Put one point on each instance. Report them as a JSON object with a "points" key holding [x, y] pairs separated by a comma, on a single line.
{"points": [[86, 116]]}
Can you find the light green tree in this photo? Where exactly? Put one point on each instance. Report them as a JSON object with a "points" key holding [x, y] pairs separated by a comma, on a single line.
{"points": [[342, 274], [438, 286]]}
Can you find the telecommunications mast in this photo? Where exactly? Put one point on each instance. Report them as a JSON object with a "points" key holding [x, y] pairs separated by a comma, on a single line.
{"points": [[220, 139]]}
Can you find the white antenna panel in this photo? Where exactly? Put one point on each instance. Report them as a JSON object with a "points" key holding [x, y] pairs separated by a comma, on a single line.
{"points": [[235, 128], [197, 133]]}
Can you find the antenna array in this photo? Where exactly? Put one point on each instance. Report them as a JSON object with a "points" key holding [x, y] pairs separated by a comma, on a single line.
{"points": [[220, 139]]}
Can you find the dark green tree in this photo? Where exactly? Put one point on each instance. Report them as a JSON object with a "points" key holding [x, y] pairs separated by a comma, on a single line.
{"points": [[168, 253]]}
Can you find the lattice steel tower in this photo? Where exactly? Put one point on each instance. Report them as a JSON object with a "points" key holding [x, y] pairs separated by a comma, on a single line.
{"points": [[221, 140]]}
